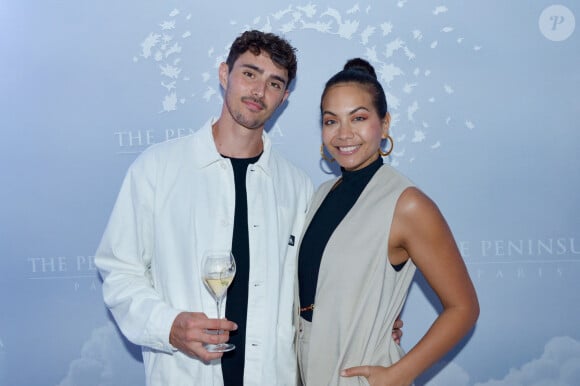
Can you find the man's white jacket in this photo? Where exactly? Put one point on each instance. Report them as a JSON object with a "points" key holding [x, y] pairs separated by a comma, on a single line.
{"points": [[176, 201]]}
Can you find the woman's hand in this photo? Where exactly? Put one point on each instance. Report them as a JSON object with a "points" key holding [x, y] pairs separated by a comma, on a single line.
{"points": [[377, 375]]}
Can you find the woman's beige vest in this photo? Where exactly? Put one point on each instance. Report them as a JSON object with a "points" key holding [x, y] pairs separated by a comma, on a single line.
{"points": [[359, 294]]}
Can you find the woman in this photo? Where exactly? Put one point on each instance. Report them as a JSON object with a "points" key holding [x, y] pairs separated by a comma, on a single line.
{"points": [[366, 233]]}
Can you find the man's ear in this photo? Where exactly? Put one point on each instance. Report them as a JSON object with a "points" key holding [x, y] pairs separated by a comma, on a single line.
{"points": [[223, 73], [286, 95]]}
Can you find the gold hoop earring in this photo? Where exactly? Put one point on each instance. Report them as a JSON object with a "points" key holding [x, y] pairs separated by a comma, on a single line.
{"points": [[323, 155], [386, 153]]}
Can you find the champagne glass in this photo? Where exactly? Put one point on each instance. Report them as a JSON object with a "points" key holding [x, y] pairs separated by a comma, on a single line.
{"points": [[218, 269]]}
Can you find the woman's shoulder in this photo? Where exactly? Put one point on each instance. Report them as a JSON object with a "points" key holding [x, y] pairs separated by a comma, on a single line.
{"points": [[413, 205]]}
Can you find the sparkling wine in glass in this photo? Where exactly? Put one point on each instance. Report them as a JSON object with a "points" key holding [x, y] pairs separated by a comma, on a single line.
{"points": [[218, 269]]}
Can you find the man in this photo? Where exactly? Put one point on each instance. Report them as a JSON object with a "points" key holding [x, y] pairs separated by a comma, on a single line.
{"points": [[222, 186]]}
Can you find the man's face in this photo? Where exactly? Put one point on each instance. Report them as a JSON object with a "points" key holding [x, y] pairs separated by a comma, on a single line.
{"points": [[254, 88]]}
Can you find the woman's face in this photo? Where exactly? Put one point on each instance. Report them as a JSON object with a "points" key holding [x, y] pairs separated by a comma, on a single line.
{"points": [[352, 129]]}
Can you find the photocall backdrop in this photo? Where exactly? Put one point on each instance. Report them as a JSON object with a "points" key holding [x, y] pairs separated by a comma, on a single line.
{"points": [[485, 105]]}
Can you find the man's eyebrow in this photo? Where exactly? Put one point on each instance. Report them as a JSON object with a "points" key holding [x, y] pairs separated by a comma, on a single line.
{"points": [[261, 71], [253, 67]]}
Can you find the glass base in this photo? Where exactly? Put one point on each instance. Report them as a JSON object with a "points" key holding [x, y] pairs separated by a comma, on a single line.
{"points": [[221, 347]]}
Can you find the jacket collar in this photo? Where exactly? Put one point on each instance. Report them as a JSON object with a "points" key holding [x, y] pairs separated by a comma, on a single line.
{"points": [[205, 152]]}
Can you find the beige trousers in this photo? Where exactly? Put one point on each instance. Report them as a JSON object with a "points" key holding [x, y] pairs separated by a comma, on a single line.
{"points": [[304, 327]]}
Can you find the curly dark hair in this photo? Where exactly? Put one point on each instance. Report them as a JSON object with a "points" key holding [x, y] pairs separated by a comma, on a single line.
{"points": [[280, 50]]}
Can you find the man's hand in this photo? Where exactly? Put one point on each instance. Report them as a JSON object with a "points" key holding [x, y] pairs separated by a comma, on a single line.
{"points": [[189, 334], [397, 332]]}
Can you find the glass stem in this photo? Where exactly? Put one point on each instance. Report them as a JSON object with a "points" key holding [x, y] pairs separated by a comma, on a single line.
{"points": [[219, 306]]}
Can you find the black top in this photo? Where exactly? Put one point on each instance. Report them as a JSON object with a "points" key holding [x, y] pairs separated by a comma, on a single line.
{"points": [[330, 213], [237, 296]]}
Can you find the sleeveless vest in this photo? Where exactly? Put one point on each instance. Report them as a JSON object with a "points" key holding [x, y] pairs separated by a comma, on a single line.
{"points": [[359, 294]]}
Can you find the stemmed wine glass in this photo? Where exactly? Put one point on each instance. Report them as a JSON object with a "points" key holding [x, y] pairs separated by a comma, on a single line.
{"points": [[218, 269]]}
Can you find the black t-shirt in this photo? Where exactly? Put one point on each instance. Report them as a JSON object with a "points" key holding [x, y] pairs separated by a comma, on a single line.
{"points": [[237, 296]]}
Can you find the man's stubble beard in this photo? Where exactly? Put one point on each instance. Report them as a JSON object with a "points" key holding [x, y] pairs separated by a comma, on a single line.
{"points": [[243, 120]]}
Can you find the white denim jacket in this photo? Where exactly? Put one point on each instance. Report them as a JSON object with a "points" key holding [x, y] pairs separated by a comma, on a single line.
{"points": [[177, 200]]}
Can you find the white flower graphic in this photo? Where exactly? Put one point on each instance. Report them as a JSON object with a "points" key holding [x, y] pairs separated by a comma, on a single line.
{"points": [[392, 59]]}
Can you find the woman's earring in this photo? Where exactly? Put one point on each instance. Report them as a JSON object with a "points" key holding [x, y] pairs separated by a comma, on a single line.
{"points": [[323, 155], [386, 153]]}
